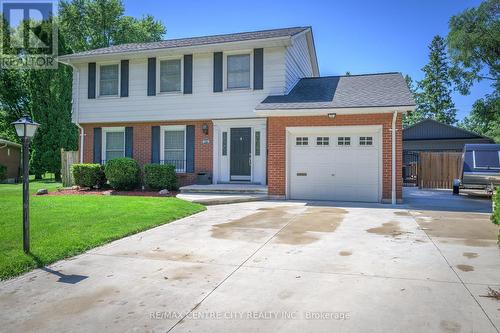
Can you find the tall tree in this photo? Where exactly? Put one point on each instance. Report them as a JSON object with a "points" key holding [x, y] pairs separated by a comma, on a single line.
{"points": [[413, 117], [435, 97], [474, 45], [484, 117]]}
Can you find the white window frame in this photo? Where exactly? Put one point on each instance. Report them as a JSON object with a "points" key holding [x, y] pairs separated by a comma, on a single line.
{"points": [[163, 129], [323, 142], [98, 79], [103, 140], [344, 145], [366, 136], [224, 71], [158, 73], [302, 141]]}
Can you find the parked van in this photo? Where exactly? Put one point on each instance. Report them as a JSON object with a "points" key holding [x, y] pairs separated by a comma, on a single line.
{"points": [[480, 168]]}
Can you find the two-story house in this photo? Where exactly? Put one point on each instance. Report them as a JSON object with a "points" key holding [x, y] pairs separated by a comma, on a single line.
{"points": [[247, 108]]}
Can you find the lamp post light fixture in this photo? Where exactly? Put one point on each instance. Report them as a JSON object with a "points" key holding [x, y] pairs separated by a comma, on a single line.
{"points": [[26, 129]]}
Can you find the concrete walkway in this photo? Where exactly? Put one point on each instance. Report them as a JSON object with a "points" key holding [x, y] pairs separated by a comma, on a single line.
{"points": [[274, 267]]}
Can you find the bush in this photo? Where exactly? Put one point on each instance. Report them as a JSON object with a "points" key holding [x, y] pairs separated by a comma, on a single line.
{"points": [[159, 176], [3, 172], [88, 175], [123, 173], [495, 216]]}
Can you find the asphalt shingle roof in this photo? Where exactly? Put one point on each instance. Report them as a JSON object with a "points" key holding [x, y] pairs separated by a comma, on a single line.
{"points": [[194, 41], [428, 129], [352, 91]]}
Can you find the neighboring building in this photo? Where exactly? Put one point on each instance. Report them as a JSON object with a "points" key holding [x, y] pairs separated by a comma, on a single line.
{"points": [[247, 108], [431, 135], [10, 156]]}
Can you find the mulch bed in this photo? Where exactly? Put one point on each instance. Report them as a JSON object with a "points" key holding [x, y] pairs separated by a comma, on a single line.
{"points": [[68, 191]]}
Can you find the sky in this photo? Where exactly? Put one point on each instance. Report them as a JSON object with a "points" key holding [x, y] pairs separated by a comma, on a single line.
{"points": [[350, 35]]}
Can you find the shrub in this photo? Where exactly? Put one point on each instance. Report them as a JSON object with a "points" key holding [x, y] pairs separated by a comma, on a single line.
{"points": [[495, 216], [3, 172], [123, 173], [160, 176], [88, 175]]}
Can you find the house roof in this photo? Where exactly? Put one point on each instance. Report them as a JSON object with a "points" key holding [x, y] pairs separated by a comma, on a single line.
{"points": [[192, 41], [430, 129], [346, 91]]}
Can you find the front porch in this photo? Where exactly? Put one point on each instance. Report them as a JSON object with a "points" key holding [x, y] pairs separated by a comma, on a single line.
{"points": [[216, 194]]}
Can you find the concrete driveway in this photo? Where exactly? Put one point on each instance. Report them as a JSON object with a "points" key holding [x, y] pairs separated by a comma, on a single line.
{"points": [[278, 267]]}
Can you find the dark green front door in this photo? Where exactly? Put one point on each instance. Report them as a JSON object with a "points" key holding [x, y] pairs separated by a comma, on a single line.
{"points": [[241, 150]]}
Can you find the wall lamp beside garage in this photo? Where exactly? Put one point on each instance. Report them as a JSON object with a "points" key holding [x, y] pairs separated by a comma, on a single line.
{"points": [[332, 115]]}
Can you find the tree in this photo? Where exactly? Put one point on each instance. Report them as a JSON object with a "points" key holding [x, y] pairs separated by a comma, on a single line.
{"points": [[413, 117], [435, 97], [473, 45], [484, 117], [91, 24]]}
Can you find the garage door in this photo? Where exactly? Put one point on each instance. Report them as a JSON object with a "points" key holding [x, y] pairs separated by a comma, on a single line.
{"points": [[335, 165]]}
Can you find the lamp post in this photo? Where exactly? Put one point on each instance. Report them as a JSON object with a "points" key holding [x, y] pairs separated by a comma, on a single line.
{"points": [[26, 128]]}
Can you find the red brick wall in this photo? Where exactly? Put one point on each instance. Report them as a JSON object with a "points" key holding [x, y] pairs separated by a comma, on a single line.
{"points": [[276, 138], [142, 144]]}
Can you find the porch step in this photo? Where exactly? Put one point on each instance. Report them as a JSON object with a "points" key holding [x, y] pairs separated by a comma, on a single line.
{"points": [[220, 199], [225, 189]]}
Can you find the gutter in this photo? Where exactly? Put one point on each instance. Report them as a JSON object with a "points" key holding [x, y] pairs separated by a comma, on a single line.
{"points": [[393, 155], [76, 105]]}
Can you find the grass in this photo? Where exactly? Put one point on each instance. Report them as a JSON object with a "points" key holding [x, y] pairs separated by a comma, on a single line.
{"points": [[63, 226]]}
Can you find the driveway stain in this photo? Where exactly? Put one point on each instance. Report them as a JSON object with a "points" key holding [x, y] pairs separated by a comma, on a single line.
{"points": [[300, 231], [403, 213], [450, 326], [390, 228], [345, 253], [465, 268], [470, 255]]}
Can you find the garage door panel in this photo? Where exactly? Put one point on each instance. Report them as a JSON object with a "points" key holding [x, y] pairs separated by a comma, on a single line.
{"points": [[341, 173]]}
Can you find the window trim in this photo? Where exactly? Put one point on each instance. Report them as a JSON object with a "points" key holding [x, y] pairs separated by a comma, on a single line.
{"points": [[302, 144], [98, 79], [343, 145], [166, 128], [158, 78], [224, 69], [365, 145], [106, 130], [323, 142]]}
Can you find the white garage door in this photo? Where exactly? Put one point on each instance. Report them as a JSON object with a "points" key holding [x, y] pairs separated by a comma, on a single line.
{"points": [[342, 165]]}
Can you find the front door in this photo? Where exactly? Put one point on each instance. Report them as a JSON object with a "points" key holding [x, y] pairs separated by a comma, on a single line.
{"points": [[240, 153]]}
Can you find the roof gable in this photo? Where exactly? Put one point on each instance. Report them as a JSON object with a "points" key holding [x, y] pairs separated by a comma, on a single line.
{"points": [[429, 129]]}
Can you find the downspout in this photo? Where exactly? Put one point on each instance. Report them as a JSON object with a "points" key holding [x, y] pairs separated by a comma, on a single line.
{"points": [[76, 107], [393, 171]]}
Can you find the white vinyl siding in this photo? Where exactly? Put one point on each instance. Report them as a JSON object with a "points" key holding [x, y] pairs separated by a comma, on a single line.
{"points": [[297, 62], [108, 80], [170, 75], [203, 103], [238, 71]]}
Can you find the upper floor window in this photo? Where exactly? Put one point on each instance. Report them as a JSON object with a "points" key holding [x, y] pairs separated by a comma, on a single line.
{"points": [[170, 75], [238, 71], [108, 80]]}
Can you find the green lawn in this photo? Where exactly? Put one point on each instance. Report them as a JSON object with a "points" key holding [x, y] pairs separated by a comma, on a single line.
{"points": [[63, 226]]}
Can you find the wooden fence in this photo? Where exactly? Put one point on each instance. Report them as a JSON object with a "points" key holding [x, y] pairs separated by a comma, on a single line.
{"points": [[68, 158], [438, 169]]}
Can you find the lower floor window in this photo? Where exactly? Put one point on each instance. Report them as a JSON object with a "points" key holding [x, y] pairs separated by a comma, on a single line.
{"points": [[365, 140], [115, 144], [344, 141], [174, 151]]}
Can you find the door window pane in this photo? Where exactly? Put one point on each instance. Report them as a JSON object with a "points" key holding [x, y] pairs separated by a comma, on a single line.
{"points": [[344, 141], [365, 140], [108, 80], [238, 71], [302, 141], [170, 75], [115, 145], [257, 143], [224, 143], [322, 141]]}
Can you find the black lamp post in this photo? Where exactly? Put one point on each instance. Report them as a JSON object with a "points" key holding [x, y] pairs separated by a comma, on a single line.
{"points": [[26, 128]]}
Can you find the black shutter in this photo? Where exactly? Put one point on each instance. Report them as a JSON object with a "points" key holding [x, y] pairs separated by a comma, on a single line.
{"points": [[151, 76], [129, 142], [188, 74], [155, 144], [124, 78], [97, 145], [190, 142], [91, 80], [258, 69], [217, 71]]}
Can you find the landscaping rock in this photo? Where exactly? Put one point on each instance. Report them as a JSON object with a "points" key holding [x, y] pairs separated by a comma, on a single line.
{"points": [[163, 192], [42, 191]]}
